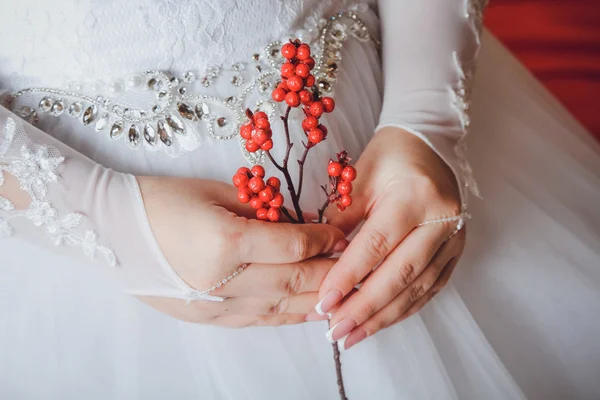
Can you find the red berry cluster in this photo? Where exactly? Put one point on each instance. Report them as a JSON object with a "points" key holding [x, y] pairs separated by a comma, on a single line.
{"points": [[257, 132], [342, 174], [295, 79], [265, 198]]}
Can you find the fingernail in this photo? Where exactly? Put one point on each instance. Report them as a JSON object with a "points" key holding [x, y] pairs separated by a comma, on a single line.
{"points": [[341, 329], [328, 302], [340, 246], [313, 316], [352, 339]]}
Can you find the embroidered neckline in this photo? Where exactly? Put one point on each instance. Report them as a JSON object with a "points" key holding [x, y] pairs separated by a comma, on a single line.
{"points": [[187, 112], [36, 169]]}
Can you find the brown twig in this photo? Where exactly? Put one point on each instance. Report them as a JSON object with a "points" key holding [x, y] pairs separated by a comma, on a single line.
{"points": [[286, 212], [301, 167]]}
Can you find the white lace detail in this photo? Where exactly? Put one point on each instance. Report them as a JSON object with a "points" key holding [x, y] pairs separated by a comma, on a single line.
{"points": [[461, 96], [37, 168], [178, 113]]}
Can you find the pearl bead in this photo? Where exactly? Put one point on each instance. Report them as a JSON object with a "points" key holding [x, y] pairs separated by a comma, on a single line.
{"points": [[115, 87], [134, 81]]}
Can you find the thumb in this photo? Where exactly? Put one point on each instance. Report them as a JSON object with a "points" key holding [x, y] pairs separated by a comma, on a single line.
{"points": [[283, 243]]}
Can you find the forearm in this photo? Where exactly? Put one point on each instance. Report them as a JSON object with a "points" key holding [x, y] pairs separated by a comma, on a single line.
{"points": [[430, 49]]}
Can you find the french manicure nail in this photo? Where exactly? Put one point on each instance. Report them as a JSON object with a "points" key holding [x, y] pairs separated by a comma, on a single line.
{"points": [[340, 246], [352, 339], [341, 344], [328, 302], [313, 316], [341, 329]]}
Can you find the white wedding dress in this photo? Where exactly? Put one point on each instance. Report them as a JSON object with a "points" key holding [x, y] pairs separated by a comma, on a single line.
{"points": [[520, 319]]}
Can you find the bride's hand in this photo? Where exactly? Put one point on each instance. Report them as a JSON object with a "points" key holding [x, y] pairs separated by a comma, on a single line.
{"points": [[401, 183], [206, 234]]}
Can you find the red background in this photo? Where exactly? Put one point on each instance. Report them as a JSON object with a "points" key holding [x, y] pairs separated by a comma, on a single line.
{"points": [[559, 41]]}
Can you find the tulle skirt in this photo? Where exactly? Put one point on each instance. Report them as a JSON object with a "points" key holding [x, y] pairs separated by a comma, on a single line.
{"points": [[521, 317]]}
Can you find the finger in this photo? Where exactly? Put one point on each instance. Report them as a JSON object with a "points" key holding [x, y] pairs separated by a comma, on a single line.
{"points": [[278, 279], [404, 301], [394, 275], [205, 311], [442, 281], [299, 304], [280, 243], [380, 234], [245, 321]]}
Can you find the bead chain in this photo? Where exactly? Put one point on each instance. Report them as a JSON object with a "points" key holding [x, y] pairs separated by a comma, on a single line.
{"points": [[196, 295]]}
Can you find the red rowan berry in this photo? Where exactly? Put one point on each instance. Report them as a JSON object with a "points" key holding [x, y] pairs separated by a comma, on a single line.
{"points": [[343, 188], [240, 180], [258, 171], [274, 214], [262, 123], [346, 201], [310, 81], [306, 97], [268, 145], [277, 201], [252, 146], [256, 202], [283, 86], [316, 108], [288, 50], [256, 184], [260, 115], [295, 83], [341, 207], [324, 129], [349, 173], [302, 70], [310, 122], [260, 136], [334, 168], [288, 69], [246, 131], [278, 95], [267, 194], [310, 62], [315, 135], [274, 182], [303, 52], [262, 214], [244, 195], [244, 170], [328, 104], [292, 99]]}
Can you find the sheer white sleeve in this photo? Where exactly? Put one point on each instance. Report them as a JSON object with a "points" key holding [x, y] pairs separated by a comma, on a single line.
{"points": [[430, 49], [51, 195]]}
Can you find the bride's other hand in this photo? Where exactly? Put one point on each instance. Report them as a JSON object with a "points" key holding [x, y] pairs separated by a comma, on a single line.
{"points": [[206, 234], [401, 183]]}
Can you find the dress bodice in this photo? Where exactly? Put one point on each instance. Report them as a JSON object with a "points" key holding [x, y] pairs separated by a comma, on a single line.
{"points": [[51, 43]]}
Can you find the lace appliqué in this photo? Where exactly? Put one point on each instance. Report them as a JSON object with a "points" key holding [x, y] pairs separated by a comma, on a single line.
{"points": [[37, 168], [461, 96]]}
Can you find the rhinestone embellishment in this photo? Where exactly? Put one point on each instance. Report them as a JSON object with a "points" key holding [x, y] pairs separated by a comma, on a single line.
{"points": [[182, 116]]}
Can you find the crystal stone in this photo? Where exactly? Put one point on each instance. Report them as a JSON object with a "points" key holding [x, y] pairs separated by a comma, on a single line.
{"points": [[58, 108], [222, 121], [75, 110], [189, 77], [26, 111], [165, 133], [150, 134], [101, 123], [202, 110], [116, 129], [134, 135], [175, 123], [186, 111], [154, 84], [46, 104], [89, 114]]}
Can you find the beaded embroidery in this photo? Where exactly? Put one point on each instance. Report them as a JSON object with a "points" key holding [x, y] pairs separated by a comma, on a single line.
{"points": [[185, 115], [37, 168]]}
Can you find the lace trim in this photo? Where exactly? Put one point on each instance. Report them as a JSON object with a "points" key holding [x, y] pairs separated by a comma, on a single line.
{"points": [[186, 110], [37, 168], [461, 96]]}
